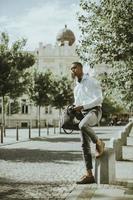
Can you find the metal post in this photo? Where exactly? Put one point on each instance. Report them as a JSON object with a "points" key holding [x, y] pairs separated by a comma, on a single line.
{"points": [[47, 128], [17, 134], [29, 130], [39, 129], [39, 121], [54, 129], [1, 128]]}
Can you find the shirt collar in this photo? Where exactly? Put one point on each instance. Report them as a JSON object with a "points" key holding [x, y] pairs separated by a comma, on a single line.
{"points": [[83, 78]]}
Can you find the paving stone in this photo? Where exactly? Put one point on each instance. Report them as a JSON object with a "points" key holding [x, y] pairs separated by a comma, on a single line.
{"points": [[40, 170]]}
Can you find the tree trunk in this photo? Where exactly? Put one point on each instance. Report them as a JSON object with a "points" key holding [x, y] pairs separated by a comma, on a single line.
{"points": [[60, 120], [39, 118]]}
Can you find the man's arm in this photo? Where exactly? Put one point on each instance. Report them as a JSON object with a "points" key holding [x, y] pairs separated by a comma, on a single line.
{"points": [[96, 97], [78, 108]]}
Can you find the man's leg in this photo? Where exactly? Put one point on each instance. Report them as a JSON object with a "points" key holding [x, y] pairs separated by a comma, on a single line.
{"points": [[88, 134], [89, 120]]}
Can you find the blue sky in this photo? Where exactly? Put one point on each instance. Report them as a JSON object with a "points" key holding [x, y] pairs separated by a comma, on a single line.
{"points": [[38, 20]]}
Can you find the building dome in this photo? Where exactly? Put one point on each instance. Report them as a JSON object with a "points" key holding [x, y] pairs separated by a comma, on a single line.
{"points": [[65, 35]]}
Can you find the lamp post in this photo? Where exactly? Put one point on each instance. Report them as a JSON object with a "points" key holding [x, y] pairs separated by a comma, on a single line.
{"points": [[2, 114], [1, 105], [1, 125]]}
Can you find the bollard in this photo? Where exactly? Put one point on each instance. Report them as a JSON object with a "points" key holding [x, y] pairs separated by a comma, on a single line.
{"points": [[47, 128], [1, 128], [54, 129], [39, 129], [118, 149], [17, 134], [60, 129], [29, 130]]}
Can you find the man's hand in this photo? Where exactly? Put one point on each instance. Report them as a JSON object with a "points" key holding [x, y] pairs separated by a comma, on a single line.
{"points": [[78, 108]]}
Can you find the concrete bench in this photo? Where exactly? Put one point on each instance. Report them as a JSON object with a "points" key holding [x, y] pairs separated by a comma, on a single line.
{"points": [[105, 167]]}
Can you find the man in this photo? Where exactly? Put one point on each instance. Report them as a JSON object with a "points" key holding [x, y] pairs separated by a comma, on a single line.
{"points": [[88, 100]]}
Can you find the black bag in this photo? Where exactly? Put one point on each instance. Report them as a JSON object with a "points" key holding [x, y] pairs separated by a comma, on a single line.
{"points": [[73, 113], [72, 125]]}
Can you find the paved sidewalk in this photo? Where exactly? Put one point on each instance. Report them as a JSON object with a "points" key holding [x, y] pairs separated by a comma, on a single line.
{"points": [[43, 168], [100, 192], [47, 168]]}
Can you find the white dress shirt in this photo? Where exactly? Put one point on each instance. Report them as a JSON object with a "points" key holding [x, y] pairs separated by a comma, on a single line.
{"points": [[88, 93]]}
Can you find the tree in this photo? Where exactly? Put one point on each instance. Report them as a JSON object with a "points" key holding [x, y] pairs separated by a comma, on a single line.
{"points": [[110, 107], [41, 91], [14, 62], [13, 107], [62, 94], [107, 37]]}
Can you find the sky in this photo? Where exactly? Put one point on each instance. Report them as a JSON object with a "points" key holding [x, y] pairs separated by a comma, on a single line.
{"points": [[38, 20]]}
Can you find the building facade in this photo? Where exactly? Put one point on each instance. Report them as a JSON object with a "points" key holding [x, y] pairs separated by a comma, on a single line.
{"points": [[58, 59]]}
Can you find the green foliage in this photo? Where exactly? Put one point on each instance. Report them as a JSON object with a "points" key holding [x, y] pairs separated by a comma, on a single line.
{"points": [[48, 89], [110, 107], [13, 107], [42, 88], [107, 31], [13, 64], [62, 93], [107, 37]]}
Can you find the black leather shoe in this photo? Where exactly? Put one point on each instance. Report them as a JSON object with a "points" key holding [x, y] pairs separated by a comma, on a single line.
{"points": [[86, 180]]}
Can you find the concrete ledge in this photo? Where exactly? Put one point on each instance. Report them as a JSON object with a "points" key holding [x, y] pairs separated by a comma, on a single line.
{"points": [[97, 192], [122, 141], [82, 192], [130, 140], [105, 167], [125, 182]]}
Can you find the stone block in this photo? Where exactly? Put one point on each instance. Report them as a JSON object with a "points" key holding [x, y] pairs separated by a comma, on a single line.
{"points": [[118, 149], [124, 170], [131, 132], [127, 152], [105, 167], [130, 140]]}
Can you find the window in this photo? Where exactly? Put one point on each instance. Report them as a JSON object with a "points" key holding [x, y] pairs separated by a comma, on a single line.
{"points": [[46, 110], [24, 124], [24, 106], [50, 110]]}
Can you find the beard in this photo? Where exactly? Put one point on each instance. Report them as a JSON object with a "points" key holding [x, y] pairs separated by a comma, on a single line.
{"points": [[73, 75]]}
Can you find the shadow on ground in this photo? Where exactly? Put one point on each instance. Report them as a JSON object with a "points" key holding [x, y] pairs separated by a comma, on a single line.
{"points": [[27, 191], [36, 155], [56, 139]]}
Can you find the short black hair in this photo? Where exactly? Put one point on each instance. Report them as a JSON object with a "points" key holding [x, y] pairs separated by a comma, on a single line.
{"points": [[78, 64]]}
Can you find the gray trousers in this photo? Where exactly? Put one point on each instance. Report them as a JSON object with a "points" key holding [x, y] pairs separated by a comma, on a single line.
{"points": [[87, 133]]}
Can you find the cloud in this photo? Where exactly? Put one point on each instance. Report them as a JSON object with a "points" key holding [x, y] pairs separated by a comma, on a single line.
{"points": [[41, 23]]}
